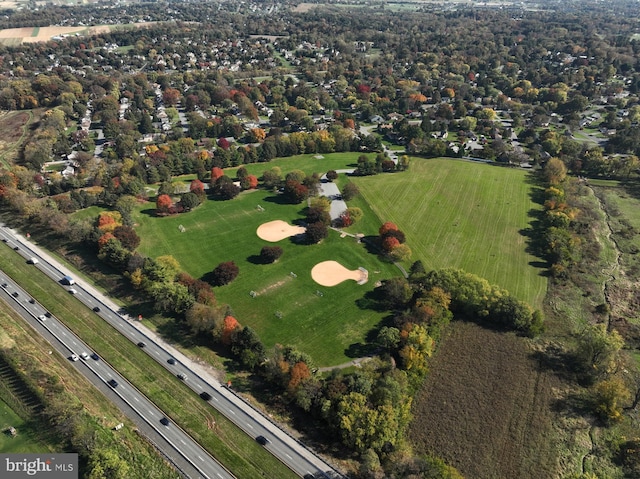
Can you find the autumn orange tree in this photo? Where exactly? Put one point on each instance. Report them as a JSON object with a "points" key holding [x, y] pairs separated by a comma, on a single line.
{"points": [[216, 173], [163, 204], [229, 325]]}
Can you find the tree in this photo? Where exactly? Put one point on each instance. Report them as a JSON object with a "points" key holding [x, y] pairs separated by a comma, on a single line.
{"points": [[317, 213], [170, 297], [170, 96], [388, 338], [332, 175], [249, 182], [272, 178], [127, 237], [224, 143], [389, 243], [202, 318], [298, 374], [401, 252], [350, 191], [197, 187], [270, 254], [394, 293], [188, 201], [224, 273], [224, 189], [355, 214], [295, 191], [229, 327], [386, 227], [247, 346], [215, 174], [555, 171], [316, 232], [609, 397], [598, 348], [163, 204]]}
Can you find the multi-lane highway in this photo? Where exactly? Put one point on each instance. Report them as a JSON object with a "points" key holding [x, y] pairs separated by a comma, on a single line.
{"points": [[186, 454], [283, 446]]}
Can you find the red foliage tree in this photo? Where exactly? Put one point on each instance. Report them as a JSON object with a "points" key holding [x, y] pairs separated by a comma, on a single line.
{"points": [[388, 226], [253, 181], [163, 204], [224, 143], [389, 242], [197, 187], [269, 254], [216, 173], [224, 273], [397, 234], [296, 191], [345, 219], [230, 324]]}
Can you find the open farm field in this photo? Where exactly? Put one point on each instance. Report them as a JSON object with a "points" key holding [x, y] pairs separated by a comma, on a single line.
{"points": [[459, 214], [14, 36], [286, 308], [486, 407]]}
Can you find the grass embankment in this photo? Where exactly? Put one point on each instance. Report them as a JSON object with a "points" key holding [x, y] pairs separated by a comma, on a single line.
{"points": [[459, 214], [326, 326], [20, 342], [236, 450]]}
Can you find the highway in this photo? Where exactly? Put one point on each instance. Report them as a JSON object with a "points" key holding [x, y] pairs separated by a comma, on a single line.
{"points": [[186, 454], [287, 449]]}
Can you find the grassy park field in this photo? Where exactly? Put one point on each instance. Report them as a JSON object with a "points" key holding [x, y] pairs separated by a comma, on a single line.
{"points": [[454, 213], [459, 214], [287, 308]]}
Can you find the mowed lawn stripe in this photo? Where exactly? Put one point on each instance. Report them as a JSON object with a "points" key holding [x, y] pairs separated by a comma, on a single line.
{"points": [[463, 215]]}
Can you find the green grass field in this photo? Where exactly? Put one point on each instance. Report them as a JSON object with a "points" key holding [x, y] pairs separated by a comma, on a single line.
{"points": [[463, 215], [307, 163], [325, 326], [25, 441]]}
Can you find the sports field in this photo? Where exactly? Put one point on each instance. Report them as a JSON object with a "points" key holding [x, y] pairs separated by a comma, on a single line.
{"points": [[464, 215], [286, 308]]}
